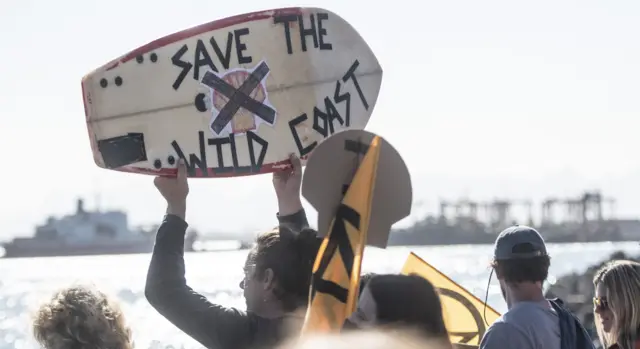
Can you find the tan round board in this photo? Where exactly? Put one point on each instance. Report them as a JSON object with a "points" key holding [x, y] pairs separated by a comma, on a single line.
{"points": [[233, 97]]}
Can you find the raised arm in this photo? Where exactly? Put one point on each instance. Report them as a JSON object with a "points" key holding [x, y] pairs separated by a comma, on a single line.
{"points": [[167, 291], [287, 186]]}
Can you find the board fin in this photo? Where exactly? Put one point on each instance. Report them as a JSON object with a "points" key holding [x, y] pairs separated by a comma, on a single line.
{"points": [[330, 170]]}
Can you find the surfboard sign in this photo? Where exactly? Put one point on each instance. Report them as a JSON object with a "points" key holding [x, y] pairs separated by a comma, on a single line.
{"points": [[233, 97], [330, 172]]}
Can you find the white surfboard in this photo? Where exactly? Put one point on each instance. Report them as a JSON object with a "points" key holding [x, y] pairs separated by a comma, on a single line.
{"points": [[233, 97]]}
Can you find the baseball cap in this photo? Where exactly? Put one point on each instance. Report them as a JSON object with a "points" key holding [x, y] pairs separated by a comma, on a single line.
{"points": [[519, 241]]}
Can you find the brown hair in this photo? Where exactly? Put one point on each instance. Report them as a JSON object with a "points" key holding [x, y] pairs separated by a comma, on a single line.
{"points": [[410, 302], [533, 269], [80, 317], [290, 256]]}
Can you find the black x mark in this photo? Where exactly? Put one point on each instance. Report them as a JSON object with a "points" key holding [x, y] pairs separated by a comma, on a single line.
{"points": [[239, 98]]}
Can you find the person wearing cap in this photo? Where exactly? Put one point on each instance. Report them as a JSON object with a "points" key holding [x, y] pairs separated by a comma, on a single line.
{"points": [[521, 264]]}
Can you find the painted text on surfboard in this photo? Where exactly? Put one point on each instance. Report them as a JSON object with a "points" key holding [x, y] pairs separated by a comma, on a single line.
{"points": [[324, 123], [202, 56], [315, 30], [323, 118], [256, 146]]}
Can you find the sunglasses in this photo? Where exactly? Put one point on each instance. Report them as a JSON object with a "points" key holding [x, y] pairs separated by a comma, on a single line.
{"points": [[600, 303]]}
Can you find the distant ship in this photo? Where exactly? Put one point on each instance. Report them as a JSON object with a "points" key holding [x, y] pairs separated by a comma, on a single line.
{"points": [[86, 233]]}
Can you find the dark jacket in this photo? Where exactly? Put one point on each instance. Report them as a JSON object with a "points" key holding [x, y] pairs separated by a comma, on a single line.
{"points": [[616, 346], [572, 334], [214, 326]]}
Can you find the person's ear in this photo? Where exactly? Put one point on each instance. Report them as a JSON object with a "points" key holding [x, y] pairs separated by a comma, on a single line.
{"points": [[268, 279], [494, 268]]}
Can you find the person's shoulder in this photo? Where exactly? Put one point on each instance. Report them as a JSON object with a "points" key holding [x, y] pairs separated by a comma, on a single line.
{"points": [[524, 312], [267, 332], [503, 334], [501, 324], [499, 329]]}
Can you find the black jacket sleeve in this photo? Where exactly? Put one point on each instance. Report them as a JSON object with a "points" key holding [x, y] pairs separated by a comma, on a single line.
{"points": [[212, 325], [166, 290], [297, 221]]}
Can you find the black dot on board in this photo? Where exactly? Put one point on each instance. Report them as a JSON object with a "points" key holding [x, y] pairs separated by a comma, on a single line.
{"points": [[154, 57], [140, 58], [104, 82], [118, 81], [199, 102], [157, 164], [171, 160]]}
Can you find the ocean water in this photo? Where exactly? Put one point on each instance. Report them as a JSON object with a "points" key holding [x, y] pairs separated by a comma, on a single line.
{"points": [[24, 283]]}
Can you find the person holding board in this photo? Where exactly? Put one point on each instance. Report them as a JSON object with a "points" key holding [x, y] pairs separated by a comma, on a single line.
{"points": [[277, 272]]}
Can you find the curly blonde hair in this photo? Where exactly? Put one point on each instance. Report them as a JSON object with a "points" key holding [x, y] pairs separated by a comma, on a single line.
{"points": [[81, 317]]}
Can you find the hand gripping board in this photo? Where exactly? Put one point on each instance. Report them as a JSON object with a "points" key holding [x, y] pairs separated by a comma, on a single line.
{"points": [[232, 97], [329, 173]]}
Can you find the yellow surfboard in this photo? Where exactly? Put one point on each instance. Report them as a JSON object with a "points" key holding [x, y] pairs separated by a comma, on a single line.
{"points": [[353, 199]]}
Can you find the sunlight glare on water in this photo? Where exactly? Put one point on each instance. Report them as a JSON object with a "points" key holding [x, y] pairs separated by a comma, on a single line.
{"points": [[26, 282]]}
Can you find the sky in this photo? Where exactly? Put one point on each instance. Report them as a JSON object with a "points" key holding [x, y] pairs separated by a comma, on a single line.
{"points": [[521, 100]]}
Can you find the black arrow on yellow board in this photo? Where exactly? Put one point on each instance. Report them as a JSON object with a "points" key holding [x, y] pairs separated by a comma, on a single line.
{"points": [[466, 326], [466, 337]]}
